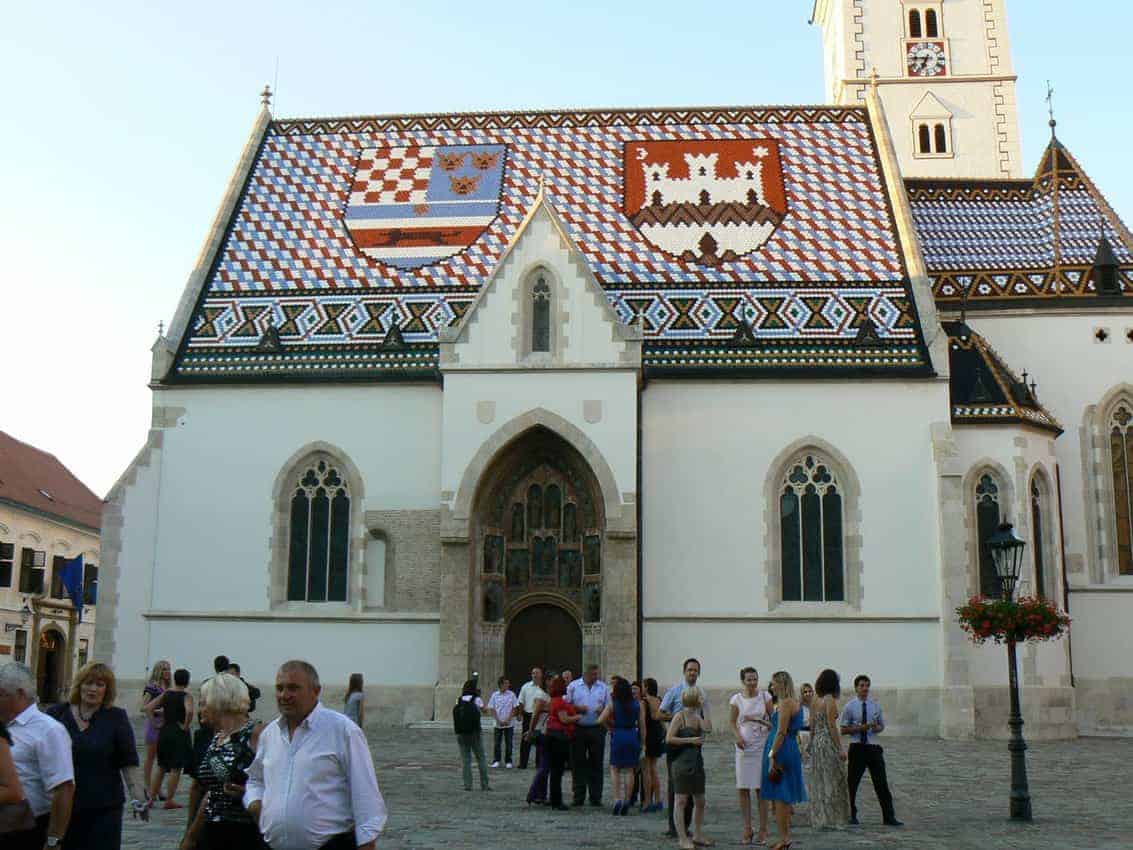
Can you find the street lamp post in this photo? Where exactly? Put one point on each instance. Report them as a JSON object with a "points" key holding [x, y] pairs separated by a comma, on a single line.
{"points": [[1007, 553]]}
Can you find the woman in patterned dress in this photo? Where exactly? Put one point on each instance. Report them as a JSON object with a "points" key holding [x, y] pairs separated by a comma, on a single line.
{"points": [[751, 710], [221, 821], [829, 793]]}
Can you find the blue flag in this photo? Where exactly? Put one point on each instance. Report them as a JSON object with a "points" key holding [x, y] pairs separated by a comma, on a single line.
{"points": [[72, 577]]}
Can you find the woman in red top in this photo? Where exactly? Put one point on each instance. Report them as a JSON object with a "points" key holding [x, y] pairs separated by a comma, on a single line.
{"points": [[561, 717]]}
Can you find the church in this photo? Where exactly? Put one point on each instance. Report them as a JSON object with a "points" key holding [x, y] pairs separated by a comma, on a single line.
{"points": [[457, 393]]}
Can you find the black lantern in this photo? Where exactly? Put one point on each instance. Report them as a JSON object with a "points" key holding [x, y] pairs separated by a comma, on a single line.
{"points": [[1007, 555]]}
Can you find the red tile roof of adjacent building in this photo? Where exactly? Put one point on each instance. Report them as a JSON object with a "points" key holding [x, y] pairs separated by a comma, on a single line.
{"points": [[35, 479]]}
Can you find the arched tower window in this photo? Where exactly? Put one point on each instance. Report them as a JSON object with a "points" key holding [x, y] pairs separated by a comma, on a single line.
{"points": [[914, 23], [318, 555], [924, 139], [1039, 531], [541, 315], [988, 518], [811, 540], [941, 138], [1121, 462], [931, 26]]}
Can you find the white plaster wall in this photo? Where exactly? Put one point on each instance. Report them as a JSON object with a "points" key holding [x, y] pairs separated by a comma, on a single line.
{"points": [[706, 449], [893, 654], [221, 460], [385, 653], [563, 393], [1103, 635], [1073, 371]]}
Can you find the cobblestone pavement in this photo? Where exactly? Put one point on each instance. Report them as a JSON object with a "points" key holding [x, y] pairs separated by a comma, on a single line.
{"points": [[950, 795]]}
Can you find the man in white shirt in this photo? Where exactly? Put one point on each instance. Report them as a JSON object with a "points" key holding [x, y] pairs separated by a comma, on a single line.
{"points": [[861, 722], [528, 695], [312, 785], [41, 750], [589, 695], [503, 706]]}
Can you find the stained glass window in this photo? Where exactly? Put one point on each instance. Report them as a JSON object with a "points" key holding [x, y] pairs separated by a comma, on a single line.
{"points": [[541, 316], [1121, 457], [987, 521], [810, 526], [318, 560]]}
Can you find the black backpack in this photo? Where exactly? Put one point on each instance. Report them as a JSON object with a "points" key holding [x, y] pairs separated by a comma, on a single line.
{"points": [[465, 717]]}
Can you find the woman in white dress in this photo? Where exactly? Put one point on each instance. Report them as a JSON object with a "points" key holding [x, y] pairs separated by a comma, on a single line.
{"points": [[751, 713]]}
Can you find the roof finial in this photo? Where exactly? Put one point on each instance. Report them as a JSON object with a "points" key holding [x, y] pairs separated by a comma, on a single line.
{"points": [[161, 327], [1050, 107], [873, 77], [265, 97]]}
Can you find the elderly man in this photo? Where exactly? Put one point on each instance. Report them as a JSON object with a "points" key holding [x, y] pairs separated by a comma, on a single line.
{"points": [[312, 785], [589, 695], [41, 750]]}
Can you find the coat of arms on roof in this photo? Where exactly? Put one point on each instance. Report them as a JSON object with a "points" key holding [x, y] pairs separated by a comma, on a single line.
{"points": [[706, 202], [413, 205]]}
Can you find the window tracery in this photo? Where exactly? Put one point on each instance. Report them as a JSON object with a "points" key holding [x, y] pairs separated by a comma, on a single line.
{"points": [[541, 315], [319, 534], [811, 532], [1039, 531], [988, 518]]}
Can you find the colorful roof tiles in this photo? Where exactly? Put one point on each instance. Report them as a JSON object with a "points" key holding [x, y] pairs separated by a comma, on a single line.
{"points": [[693, 221], [1024, 242]]}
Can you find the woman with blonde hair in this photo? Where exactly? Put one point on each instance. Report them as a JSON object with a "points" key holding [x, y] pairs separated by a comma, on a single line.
{"points": [[160, 679], [686, 736], [221, 821], [105, 759], [782, 774]]}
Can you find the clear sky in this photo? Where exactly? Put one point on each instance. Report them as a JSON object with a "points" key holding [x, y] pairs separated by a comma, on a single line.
{"points": [[121, 123]]}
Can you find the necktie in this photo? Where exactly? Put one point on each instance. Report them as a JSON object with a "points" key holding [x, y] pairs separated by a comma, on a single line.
{"points": [[865, 732]]}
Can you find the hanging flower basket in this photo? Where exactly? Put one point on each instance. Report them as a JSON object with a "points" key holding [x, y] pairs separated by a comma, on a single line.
{"points": [[1026, 618]]}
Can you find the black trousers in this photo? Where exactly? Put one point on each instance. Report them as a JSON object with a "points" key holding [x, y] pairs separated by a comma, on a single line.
{"points": [[32, 839], [345, 841], [558, 750], [524, 743], [670, 754], [95, 829], [589, 750], [221, 835], [506, 734], [871, 756]]}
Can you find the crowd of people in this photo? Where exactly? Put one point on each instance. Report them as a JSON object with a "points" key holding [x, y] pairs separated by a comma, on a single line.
{"points": [[69, 774], [791, 746]]}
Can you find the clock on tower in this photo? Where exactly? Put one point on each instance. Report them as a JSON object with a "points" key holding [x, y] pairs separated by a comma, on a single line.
{"points": [[925, 59]]}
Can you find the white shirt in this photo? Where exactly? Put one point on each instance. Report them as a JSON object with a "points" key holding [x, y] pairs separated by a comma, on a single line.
{"points": [[502, 704], [41, 749], [315, 784], [528, 694]]}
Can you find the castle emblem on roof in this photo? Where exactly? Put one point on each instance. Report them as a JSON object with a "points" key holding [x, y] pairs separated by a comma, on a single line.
{"points": [[706, 202], [411, 206]]}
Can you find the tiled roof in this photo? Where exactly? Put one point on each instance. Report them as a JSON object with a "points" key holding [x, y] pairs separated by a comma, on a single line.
{"points": [[34, 479], [1025, 242], [311, 252], [984, 390]]}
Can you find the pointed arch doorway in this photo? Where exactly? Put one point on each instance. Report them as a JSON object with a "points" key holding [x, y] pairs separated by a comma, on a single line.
{"points": [[542, 635]]}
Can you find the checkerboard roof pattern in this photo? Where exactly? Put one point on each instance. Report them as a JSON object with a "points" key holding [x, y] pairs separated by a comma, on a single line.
{"points": [[288, 261], [1017, 239], [984, 389]]}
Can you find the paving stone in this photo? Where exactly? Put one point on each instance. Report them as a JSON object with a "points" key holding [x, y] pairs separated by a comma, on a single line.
{"points": [[951, 796]]}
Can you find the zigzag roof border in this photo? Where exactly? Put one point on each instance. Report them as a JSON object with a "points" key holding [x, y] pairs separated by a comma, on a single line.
{"points": [[543, 118]]}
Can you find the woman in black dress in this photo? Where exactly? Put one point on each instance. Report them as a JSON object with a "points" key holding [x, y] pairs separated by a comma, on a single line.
{"points": [[105, 757], [221, 821], [174, 746]]}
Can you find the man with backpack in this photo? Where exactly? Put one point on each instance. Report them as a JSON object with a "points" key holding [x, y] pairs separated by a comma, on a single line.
{"points": [[466, 724]]}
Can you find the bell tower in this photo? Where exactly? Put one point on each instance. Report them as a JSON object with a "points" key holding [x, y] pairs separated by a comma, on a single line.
{"points": [[944, 75]]}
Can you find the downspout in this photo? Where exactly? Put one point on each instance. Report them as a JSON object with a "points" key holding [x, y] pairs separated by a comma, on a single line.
{"points": [[1065, 583], [640, 543]]}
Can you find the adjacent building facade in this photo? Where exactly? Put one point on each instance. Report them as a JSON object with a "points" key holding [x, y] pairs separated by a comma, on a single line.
{"points": [[47, 516], [462, 393]]}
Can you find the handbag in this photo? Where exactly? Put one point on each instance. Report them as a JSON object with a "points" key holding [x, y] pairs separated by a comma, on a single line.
{"points": [[775, 774], [16, 817]]}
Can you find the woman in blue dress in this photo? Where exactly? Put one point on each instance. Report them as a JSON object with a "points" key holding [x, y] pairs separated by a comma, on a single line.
{"points": [[625, 715], [782, 772]]}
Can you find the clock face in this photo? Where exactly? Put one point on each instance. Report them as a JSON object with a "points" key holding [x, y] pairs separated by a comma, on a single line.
{"points": [[926, 59]]}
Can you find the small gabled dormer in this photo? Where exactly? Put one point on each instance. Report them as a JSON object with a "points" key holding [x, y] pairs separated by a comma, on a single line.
{"points": [[931, 126]]}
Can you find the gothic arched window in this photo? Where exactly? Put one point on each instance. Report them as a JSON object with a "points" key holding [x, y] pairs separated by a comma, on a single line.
{"points": [[924, 138], [1121, 461], [810, 519], [914, 23], [541, 315], [1040, 529], [931, 28], [988, 518], [941, 138], [318, 555]]}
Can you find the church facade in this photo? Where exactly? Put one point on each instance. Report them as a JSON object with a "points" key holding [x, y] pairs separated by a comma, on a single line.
{"points": [[463, 393]]}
